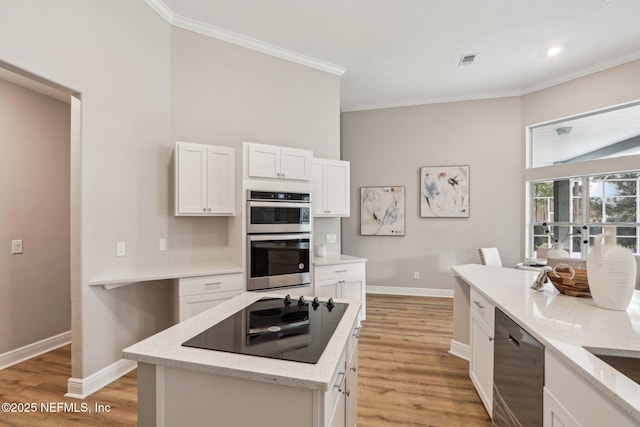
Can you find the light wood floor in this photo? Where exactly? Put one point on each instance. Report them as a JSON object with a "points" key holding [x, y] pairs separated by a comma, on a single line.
{"points": [[406, 376]]}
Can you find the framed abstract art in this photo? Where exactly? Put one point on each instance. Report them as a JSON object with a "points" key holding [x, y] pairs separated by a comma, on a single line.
{"points": [[444, 192], [382, 211]]}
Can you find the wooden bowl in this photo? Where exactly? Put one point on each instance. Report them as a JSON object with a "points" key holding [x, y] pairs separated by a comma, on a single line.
{"points": [[570, 281]]}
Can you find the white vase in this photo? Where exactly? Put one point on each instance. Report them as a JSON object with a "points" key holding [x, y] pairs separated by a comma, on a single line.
{"points": [[611, 270], [557, 252]]}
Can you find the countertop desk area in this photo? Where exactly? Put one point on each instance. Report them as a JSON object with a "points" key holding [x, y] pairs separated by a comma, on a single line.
{"points": [[564, 325]]}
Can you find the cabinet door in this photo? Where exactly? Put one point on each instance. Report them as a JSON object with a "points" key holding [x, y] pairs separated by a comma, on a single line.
{"points": [[191, 305], [295, 164], [264, 161], [337, 188], [191, 178], [327, 288], [481, 361], [351, 393], [556, 415], [318, 199], [353, 288], [221, 174]]}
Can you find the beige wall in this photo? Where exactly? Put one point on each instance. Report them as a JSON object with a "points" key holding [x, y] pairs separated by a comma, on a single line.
{"points": [[35, 299], [388, 147]]}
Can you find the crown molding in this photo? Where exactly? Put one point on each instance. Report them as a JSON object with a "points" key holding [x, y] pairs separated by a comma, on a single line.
{"points": [[241, 40]]}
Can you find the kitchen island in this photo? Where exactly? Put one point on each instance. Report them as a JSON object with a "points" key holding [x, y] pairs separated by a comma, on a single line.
{"points": [[579, 388], [180, 385]]}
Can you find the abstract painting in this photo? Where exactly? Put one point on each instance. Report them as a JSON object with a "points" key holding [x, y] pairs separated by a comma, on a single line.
{"points": [[382, 211], [444, 192]]}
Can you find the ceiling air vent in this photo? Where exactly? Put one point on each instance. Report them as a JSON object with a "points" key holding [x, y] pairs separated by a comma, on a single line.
{"points": [[467, 59]]}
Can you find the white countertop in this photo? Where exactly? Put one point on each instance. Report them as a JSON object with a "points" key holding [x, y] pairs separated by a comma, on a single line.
{"points": [[337, 259], [170, 271], [165, 348], [564, 324]]}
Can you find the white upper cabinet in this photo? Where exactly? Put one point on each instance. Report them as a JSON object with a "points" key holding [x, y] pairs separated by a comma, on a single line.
{"points": [[331, 181], [204, 180], [269, 161]]}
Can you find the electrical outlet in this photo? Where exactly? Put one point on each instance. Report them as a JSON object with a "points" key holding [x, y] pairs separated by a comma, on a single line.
{"points": [[332, 238], [163, 244], [16, 246], [121, 249], [416, 275]]}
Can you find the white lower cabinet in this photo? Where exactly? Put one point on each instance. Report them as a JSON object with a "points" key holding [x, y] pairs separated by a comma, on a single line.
{"points": [[570, 400], [481, 343], [193, 295], [341, 404], [556, 415], [343, 280]]}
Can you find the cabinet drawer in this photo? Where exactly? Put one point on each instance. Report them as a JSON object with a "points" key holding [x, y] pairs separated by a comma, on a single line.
{"points": [[209, 284], [337, 271], [483, 307]]}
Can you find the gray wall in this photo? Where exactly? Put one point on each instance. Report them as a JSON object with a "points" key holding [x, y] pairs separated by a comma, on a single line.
{"points": [[35, 301], [127, 64], [388, 147]]}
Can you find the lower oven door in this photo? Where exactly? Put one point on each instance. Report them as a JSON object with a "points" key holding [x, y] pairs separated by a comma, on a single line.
{"points": [[277, 260]]}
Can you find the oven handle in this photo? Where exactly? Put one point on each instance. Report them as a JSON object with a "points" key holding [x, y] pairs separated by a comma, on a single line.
{"points": [[253, 203], [295, 236]]}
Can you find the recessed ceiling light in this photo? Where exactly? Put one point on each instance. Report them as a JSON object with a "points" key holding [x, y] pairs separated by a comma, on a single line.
{"points": [[554, 51]]}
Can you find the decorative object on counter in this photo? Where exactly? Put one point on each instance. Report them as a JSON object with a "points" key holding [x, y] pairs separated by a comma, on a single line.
{"points": [[541, 279], [382, 211], [570, 281], [321, 250], [556, 251], [445, 192], [612, 273]]}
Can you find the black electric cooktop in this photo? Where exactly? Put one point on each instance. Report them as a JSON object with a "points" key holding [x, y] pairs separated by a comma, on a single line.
{"points": [[277, 328]]}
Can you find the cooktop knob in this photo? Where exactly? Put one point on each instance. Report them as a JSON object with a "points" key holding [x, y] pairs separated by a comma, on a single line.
{"points": [[287, 300], [315, 304], [301, 302], [330, 304]]}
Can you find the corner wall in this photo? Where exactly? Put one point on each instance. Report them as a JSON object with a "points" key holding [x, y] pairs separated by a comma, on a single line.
{"points": [[388, 147]]}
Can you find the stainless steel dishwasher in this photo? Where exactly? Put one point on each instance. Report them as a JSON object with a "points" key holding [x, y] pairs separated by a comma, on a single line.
{"points": [[518, 375]]}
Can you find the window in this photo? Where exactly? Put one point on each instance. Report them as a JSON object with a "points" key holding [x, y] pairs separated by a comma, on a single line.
{"points": [[570, 212]]}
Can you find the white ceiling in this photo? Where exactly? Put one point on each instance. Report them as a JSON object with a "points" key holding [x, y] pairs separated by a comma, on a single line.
{"points": [[406, 52]]}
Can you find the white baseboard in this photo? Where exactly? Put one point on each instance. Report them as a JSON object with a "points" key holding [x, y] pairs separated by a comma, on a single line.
{"points": [[421, 292], [459, 349], [80, 388], [21, 354]]}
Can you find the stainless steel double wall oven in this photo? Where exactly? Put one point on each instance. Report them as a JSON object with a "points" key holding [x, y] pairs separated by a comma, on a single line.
{"points": [[278, 239]]}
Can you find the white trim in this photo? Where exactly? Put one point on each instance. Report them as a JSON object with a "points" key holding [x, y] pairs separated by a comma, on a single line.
{"points": [[80, 388], [238, 39], [420, 292], [460, 350], [160, 396], [29, 351]]}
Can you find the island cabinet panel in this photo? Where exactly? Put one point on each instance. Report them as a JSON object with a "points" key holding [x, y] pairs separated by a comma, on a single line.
{"points": [[481, 343], [582, 404]]}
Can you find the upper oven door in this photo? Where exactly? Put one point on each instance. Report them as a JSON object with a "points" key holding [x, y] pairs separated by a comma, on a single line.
{"points": [[278, 217]]}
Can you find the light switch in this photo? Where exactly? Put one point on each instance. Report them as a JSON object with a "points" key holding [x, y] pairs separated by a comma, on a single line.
{"points": [[16, 246], [331, 238], [163, 244]]}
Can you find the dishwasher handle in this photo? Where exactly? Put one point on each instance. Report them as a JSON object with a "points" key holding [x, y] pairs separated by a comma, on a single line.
{"points": [[514, 341]]}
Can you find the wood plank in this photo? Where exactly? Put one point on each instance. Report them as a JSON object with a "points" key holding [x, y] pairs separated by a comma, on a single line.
{"points": [[406, 376]]}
